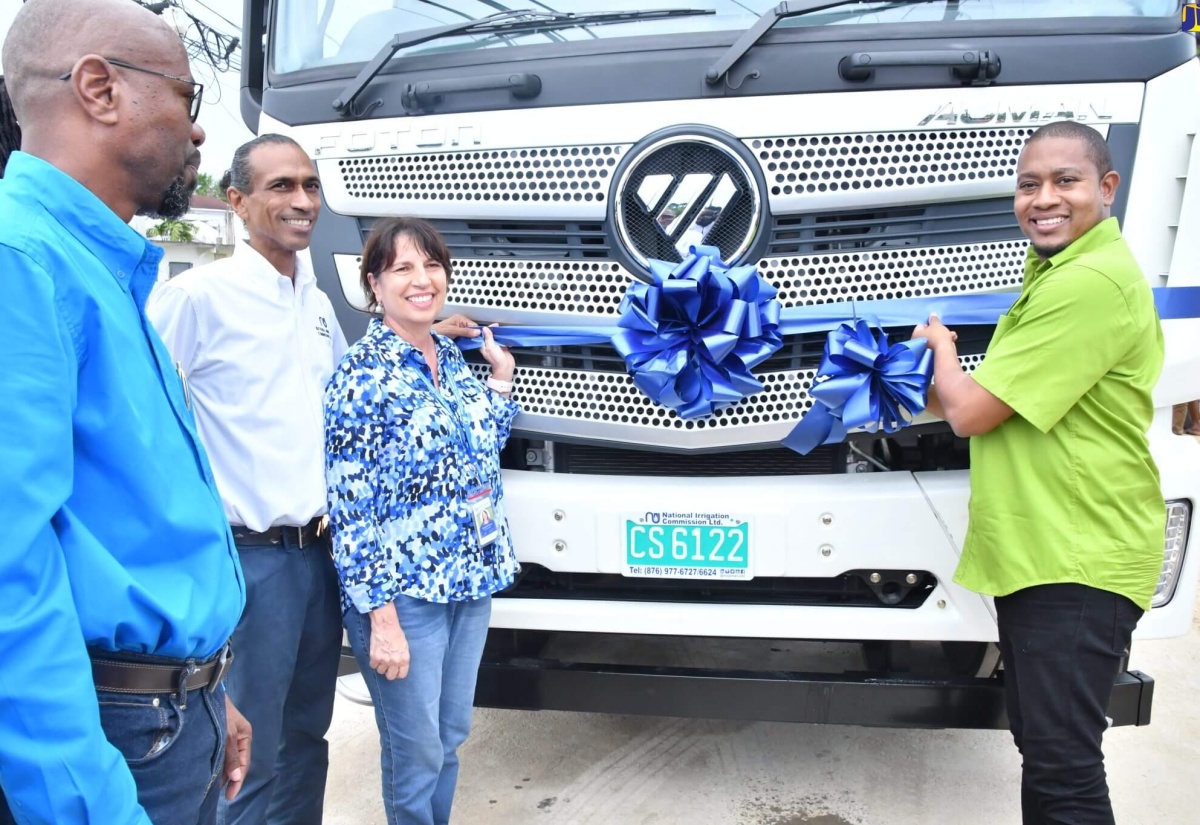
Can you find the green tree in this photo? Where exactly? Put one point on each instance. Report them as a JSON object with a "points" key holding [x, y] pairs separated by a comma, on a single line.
{"points": [[205, 185], [173, 229]]}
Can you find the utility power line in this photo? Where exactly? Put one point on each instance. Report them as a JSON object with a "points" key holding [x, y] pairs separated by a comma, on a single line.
{"points": [[204, 41]]}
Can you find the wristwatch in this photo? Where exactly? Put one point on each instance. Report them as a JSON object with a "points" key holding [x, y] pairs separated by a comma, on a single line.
{"points": [[498, 385]]}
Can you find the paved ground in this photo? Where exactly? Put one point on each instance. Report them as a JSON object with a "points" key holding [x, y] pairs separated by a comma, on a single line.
{"points": [[555, 768]]}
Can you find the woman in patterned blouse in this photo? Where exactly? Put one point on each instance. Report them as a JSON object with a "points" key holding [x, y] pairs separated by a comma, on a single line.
{"points": [[420, 540]]}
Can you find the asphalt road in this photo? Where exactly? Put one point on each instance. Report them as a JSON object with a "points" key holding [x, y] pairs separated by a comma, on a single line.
{"points": [[553, 768]]}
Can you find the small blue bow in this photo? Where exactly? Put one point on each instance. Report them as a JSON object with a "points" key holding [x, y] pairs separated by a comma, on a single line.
{"points": [[863, 383]]}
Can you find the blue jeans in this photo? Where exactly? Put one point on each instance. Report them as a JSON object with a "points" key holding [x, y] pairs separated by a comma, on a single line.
{"points": [[424, 717], [174, 744], [1062, 646], [288, 644]]}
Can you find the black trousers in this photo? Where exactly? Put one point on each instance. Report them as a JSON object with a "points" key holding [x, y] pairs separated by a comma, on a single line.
{"points": [[1062, 647]]}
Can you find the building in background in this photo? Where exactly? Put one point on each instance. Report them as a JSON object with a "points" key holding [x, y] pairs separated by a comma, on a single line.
{"points": [[208, 232]]}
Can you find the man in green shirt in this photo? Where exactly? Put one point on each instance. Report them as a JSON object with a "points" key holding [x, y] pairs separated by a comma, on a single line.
{"points": [[1066, 513]]}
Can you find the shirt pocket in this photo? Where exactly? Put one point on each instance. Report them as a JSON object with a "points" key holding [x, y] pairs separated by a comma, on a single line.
{"points": [[1003, 324]]}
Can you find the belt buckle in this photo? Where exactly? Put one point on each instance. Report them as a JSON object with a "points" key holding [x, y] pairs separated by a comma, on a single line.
{"points": [[224, 660], [300, 537]]}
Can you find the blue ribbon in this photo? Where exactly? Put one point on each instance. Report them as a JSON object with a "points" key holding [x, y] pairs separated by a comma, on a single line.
{"points": [[691, 337], [863, 383]]}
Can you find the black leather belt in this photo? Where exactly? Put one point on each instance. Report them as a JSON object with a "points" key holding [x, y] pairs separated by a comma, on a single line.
{"points": [[310, 533], [144, 677]]}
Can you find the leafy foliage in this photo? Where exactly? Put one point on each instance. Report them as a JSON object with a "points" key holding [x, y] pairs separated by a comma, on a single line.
{"points": [[174, 230], [205, 185]]}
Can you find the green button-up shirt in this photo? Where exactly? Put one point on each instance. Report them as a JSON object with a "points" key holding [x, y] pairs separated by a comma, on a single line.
{"points": [[1066, 490]]}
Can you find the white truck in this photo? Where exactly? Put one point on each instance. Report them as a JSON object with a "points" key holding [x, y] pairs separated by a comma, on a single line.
{"points": [[851, 150]]}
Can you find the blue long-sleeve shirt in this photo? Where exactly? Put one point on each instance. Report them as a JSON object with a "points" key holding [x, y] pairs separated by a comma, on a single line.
{"points": [[114, 536], [400, 467]]}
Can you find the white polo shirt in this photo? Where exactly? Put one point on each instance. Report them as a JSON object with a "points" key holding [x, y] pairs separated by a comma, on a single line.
{"points": [[257, 352]]}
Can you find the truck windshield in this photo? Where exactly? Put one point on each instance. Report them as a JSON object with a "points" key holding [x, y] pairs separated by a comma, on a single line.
{"points": [[318, 33]]}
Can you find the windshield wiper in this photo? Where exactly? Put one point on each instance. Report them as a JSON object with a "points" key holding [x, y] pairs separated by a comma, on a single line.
{"points": [[505, 22], [788, 8]]}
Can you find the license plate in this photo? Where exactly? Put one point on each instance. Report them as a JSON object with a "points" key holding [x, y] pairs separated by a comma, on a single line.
{"points": [[687, 546]]}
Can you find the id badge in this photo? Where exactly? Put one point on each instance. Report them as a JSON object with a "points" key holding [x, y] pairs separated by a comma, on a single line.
{"points": [[483, 514]]}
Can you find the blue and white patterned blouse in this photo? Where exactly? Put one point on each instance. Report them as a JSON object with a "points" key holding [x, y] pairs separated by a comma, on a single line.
{"points": [[399, 466]]}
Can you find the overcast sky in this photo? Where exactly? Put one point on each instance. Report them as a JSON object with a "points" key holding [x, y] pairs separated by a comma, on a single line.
{"points": [[219, 115]]}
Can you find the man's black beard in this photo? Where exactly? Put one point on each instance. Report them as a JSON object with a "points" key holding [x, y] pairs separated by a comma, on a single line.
{"points": [[175, 201], [1045, 252]]}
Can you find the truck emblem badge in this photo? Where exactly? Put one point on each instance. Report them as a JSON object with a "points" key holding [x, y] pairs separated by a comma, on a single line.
{"points": [[685, 190]]}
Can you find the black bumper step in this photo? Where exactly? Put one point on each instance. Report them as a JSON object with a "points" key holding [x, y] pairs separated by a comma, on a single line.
{"points": [[540, 684]]}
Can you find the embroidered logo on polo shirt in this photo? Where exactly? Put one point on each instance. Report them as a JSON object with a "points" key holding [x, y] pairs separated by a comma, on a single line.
{"points": [[323, 327]]}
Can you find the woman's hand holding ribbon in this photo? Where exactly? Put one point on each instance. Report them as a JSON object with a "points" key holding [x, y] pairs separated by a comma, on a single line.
{"points": [[498, 357], [457, 326]]}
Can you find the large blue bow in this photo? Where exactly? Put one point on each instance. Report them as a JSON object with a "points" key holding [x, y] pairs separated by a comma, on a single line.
{"points": [[691, 337], [863, 383]]}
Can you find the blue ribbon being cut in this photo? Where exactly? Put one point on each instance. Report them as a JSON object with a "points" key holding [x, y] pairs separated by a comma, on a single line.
{"points": [[691, 337]]}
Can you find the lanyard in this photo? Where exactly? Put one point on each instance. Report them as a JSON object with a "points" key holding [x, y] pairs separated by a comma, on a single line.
{"points": [[465, 432]]}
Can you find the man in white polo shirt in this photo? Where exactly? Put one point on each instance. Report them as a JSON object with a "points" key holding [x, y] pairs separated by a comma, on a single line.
{"points": [[256, 342]]}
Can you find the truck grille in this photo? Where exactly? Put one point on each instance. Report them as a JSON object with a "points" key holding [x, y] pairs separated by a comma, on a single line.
{"points": [[896, 273], [850, 217], [558, 174], [606, 406], [811, 164]]}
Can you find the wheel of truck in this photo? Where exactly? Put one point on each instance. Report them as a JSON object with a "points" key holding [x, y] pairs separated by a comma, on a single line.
{"points": [[353, 687]]}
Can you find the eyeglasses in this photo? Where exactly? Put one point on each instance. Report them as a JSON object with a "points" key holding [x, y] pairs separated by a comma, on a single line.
{"points": [[197, 88]]}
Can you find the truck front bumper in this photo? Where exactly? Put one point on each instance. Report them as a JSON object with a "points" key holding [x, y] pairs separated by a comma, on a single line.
{"points": [[523, 683]]}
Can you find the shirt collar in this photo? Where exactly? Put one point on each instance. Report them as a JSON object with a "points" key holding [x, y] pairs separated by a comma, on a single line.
{"points": [[1105, 232], [385, 337], [260, 271], [130, 258]]}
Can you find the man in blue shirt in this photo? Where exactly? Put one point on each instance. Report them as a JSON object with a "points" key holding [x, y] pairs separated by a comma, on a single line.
{"points": [[118, 579], [10, 130]]}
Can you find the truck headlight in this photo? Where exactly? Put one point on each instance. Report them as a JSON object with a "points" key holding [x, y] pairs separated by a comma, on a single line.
{"points": [[1179, 516]]}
